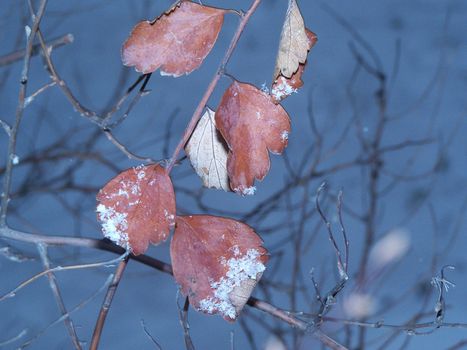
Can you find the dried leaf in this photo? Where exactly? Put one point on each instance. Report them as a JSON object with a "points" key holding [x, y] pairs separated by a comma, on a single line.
{"points": [[294, 43], [207, 152], [251, 124], [177, 42], [284, 87], [137, 207], [217, 262]]}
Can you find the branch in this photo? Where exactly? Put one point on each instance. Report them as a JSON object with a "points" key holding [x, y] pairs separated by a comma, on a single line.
{"points": [[96, 336], [220, 71], [58, 297], [20, 54]]}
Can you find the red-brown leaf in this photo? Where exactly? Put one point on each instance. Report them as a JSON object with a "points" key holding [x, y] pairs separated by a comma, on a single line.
{"points": [[217, 262], [137, 207], [283, 86], [177, 42], [251, 124]]}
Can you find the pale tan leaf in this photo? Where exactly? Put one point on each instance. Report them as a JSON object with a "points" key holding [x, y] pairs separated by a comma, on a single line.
{"points": [[294, 43], [207, 152]]}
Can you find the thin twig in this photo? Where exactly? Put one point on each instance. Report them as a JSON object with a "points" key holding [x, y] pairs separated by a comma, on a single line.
{"points": [[183, 316], [13, 292], [7, 177], [96, 336], [58, 297], [68, 314], [153, 340], [20, 54], [220, 70]]}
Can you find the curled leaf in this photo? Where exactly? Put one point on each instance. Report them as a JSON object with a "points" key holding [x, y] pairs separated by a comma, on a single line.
{"points": [[251, 124], [207, 152], [137, 207], [294, 43], [217, 262], [177, 42], [283, 86]]}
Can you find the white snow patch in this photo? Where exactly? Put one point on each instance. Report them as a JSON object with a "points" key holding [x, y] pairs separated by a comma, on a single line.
{"points": [[284, 135], [169, 217], [258, 115], [283, 89], [14, 159], [114, 225], [141, 175], [27, 29], [235, 250], [249, 191], [264, 88], [166, 74], [241, 269]]}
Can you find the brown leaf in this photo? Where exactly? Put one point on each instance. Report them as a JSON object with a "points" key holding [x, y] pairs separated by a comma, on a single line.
{"points": [[137, 207], [284, 87], [207, 152], [294, 43], [177, 42], [251, 125], [217, 262]]}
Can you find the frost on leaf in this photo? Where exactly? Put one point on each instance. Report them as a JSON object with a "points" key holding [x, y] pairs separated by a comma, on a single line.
{"points": [[217, 262], [283, 86], [177, 42], [251, 124], [137, 207], [207, 152]]}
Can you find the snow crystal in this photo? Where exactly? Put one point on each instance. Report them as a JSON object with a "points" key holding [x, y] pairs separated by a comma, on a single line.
{"points": [[241, 270], [283, 89], [264, 88], [249, 191], [14, 159], [27, 30], [114, 225], [168, 217], [284, 135], [141, 175]]}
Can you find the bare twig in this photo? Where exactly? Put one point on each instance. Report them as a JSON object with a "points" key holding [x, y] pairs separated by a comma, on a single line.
{"points": [[146, 331], [19, 113], [58, 297], [96, 336], [20, 54], [183, 316]]}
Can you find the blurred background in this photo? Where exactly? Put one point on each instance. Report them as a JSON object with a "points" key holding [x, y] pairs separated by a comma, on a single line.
{"points": [[381, 117]]}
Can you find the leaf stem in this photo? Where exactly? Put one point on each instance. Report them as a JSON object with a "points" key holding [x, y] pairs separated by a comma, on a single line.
{"points": [[212, 85]]}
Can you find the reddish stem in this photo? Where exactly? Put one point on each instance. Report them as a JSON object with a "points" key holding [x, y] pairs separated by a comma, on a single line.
{"points": [[212, 85]]}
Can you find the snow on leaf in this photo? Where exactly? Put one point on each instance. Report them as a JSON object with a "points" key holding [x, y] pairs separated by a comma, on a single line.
{"points": [[207, 152], [283, 86], [294, 43], [137, 207], [177, 42], [251, 124], [217, 262]]}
